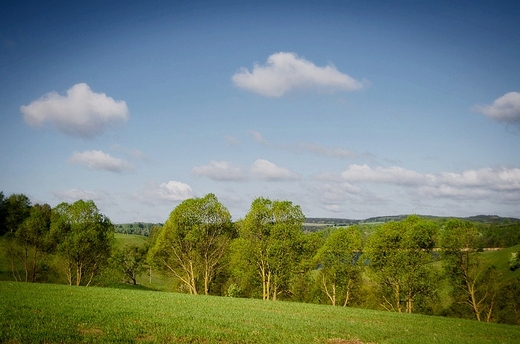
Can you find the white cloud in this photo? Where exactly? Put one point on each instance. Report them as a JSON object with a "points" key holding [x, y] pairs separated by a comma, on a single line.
{"points": [[72, 195], [165, 193], [175, 191], [81, 112], [504, 109], [260, 169], [98, 160], [269, 171], [284, 72], [495, 184], [220, 171], [392, 175]]}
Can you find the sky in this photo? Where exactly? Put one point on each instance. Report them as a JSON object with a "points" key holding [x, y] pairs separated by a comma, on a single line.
{"points": [[349, 109]]}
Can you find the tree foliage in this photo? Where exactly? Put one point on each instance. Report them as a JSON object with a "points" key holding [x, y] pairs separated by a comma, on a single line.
{"points": [[474, 283], [337, 261], [400, 254], [271, 243], [130, 261], [16, 209], [192, 243], [84, 239]]}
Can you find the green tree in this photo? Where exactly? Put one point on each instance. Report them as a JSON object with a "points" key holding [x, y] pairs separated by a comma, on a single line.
{"points": [[17, 208], [474, 283], [3, 213], [508, 302], [193, 242], [130, 261], [303, 286], [33, 237], [271, 244], [400, 254], [337, 261], [84, 238]]}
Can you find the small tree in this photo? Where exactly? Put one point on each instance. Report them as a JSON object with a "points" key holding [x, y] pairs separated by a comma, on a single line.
{"points": [[84, 240], [17, 207], [400, 254], [271, 244], [33, 237], [475, 285], [192, 243], [514, 261], [130, 261], [337, 261]]}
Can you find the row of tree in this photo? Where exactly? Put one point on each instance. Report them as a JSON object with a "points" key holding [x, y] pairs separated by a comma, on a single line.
{"points": [[401, 266]]}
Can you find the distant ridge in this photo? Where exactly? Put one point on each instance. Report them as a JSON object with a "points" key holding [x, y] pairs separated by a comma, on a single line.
{"points": [[388, 218]]}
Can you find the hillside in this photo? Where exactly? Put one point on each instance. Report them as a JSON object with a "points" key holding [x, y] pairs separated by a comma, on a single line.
{"points": [[30, 313]]}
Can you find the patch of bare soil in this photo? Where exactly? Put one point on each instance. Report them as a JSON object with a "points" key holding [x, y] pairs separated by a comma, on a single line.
{"points": [[346, 341]]}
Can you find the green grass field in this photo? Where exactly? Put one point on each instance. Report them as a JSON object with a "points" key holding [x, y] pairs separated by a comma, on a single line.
{"points": [[49, 313]]}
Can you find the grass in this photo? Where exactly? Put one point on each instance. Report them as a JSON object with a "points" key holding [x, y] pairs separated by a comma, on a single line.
{"points": [[500, 259], [121, 240], [63, 314]]}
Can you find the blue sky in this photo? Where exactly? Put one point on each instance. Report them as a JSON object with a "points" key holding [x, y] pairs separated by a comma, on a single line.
{"points": [[350, 109]]}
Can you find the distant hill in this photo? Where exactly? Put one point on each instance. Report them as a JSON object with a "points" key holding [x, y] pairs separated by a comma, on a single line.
{"points": [[320, 222]]}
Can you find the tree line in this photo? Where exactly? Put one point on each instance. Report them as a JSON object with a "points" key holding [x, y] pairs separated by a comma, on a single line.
{"points": [[414, 265]]}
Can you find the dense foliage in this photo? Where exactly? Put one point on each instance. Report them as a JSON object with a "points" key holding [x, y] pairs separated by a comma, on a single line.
{"points": [[409, 264]]}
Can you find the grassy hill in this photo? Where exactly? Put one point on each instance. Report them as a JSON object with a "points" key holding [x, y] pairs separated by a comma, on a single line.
{"points": [[57, 313]]}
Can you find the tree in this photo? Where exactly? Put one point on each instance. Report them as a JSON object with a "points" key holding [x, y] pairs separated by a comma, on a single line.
{"points": [[17, 208], [192, 243], [474, 284], [3, 213], [84, 240], [337, 261], [130, 261], [400, 254], [33, 237], [271, 243]]}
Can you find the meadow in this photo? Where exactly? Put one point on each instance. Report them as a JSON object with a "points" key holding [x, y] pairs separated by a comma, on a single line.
{"points": [[50, 313]]}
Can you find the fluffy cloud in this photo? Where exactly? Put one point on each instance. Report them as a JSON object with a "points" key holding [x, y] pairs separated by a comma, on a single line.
{"points": [[495, 184], [392, 175], [284, 72], [174, 191], [165, 193], [220, 171], [80, 113], [260, 169], [269, 171], [98, 160], [504, 109]]}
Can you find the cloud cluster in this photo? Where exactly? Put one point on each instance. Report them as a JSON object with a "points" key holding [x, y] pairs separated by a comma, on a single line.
{"points": [[267, 170], [98, 160], [81, 112], [220, 171], [496, 184], [174, 191], [165, 193], [261, 169], [505, 109], [284, 72]]}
